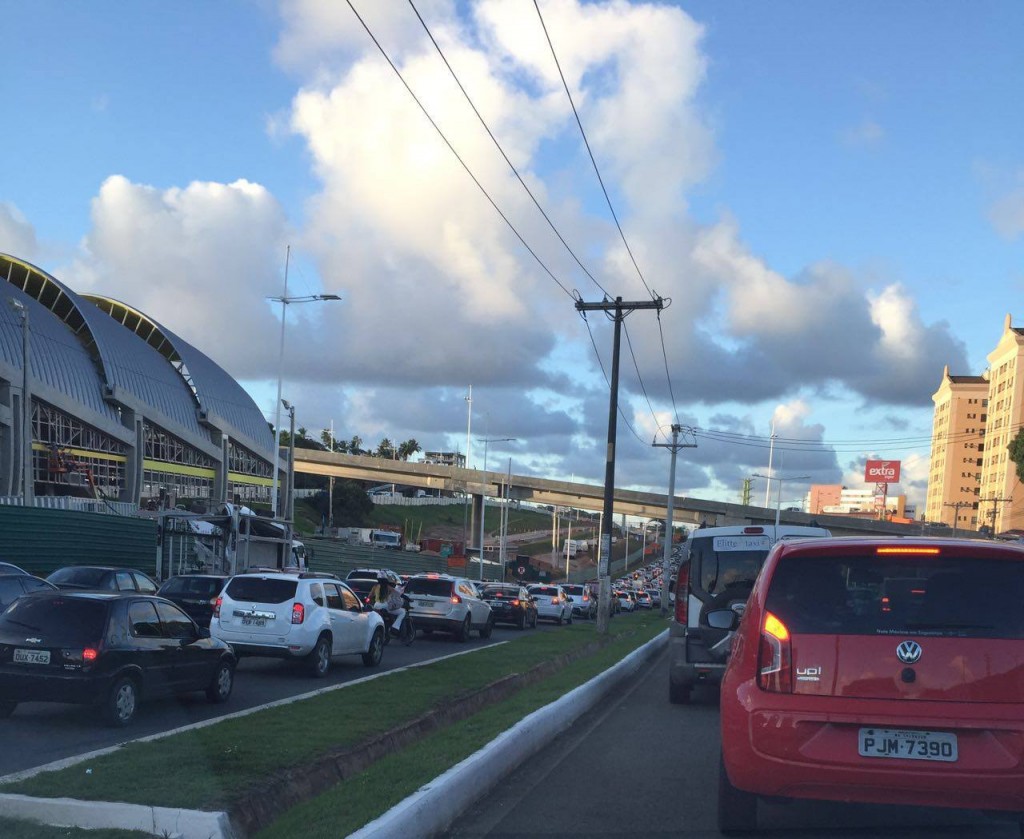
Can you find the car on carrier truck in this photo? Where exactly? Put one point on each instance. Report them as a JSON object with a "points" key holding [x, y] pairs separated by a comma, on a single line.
{"points": [[718, 571]]}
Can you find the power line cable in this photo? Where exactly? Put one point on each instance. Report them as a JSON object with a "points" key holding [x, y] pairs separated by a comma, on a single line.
{"points": [[625, 419], [629, 343], [498, 145], [664, 355], [458, 157], [586, 142]]}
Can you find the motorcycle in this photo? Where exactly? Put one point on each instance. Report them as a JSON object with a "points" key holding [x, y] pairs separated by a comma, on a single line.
{"points": [[406, 632]]}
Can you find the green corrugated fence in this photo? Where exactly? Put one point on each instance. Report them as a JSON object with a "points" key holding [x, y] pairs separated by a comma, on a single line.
{"points": [[341, 557], [42, 540]]}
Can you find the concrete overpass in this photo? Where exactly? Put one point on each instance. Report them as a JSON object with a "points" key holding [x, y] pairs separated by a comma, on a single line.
{"points": [[544, 491]]}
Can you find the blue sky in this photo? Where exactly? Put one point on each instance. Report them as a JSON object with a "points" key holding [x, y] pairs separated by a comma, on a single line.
{"points": [[831, 194]]}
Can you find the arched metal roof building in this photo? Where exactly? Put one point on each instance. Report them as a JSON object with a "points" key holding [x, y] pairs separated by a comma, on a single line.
{"points": [[121, 407]]}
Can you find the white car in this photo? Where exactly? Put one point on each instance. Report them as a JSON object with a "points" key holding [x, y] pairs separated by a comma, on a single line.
{"points": [[449, 604], [552, 603], [308, 616]]}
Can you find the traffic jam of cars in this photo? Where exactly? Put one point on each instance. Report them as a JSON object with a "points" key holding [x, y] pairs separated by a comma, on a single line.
{"points": [[113, 637], [855, 669]]}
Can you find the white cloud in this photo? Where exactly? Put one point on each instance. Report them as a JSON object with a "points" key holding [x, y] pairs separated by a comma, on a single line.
{"points": [[200, 259], [865, 134], [17, 236]]}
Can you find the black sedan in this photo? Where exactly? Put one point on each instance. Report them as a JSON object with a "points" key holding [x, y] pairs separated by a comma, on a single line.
{"points": [[13, 586], [102, 578], [196, 594], [107, 649], [510, 603]]}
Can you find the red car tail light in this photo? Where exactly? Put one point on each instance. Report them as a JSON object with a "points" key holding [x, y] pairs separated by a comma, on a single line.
{"points": [[298, 613], [216, 606], [775, 657], [90, 654], [554, 600], [456, 598], [909, 551], [515, 602], [683, 594]]}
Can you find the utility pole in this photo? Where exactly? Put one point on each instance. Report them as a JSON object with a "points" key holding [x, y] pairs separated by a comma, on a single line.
{"points": [[956, 505], [745, 492], [619, 310], [330, 491], [771, 452], [992, 515], [674, 447]]}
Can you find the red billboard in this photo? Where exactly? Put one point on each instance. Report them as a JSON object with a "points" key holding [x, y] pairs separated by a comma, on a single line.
{"points": [[882, 472]]}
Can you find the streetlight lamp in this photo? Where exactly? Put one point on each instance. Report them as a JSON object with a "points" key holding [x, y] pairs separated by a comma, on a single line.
{"points": [[483, 496], [778, 495], [27, 478], [284, 300]]}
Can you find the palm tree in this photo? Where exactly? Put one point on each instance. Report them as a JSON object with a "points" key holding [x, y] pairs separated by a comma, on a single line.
{"points": [[408, 449], [355, 445]]}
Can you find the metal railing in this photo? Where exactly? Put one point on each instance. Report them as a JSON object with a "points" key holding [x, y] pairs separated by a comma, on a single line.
{"points": [[66, 502]]}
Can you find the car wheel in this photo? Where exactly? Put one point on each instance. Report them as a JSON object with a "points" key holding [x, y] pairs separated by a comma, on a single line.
{"points": [[372, 657], [121, 702], [678, 694], [488, 628], [6, 709], [223, 681], [320, 658], [464, 630], [737, 809]]}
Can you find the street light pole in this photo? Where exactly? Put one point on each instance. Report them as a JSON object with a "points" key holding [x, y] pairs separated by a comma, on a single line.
{"points": [[284, 300], [27, 477], [289, 507], [483, 497], [778, 495]]}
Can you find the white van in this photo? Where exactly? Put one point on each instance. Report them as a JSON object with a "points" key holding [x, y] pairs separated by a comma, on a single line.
{"points": [[717, 571]]}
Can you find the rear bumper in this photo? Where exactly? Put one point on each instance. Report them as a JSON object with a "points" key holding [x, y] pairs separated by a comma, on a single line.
{"points": [[436, 623], [76, 688], [784, 745], [683, 671]]}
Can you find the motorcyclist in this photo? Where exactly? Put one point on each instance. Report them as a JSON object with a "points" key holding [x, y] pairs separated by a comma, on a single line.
{"points": [[384, 597]]}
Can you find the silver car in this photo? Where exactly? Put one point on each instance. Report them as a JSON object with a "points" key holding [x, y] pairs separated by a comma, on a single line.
{"points": [[448, 604]]}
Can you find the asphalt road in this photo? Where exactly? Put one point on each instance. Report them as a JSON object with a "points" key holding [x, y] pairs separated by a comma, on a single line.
{"points": [[39, 733], [639, 766]]}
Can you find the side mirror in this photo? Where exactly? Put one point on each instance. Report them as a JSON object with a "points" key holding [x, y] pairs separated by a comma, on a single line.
{"points": [[723, 619]]}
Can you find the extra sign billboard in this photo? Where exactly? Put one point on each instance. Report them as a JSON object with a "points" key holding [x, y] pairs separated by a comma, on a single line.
{"points": [[882, 472]]}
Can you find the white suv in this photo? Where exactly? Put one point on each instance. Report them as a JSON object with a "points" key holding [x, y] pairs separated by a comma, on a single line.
{"points": [[298, 616], [450, 604]]}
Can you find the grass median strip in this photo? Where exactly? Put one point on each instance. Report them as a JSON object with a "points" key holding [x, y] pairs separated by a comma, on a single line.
{"points": [[357, 801], [24, 829], [207, 768]]}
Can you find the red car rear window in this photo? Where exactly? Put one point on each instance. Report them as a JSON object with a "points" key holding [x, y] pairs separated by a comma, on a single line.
{"points": [[899, 595]]}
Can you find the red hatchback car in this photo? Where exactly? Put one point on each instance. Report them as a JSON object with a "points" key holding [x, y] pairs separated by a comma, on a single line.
{"points": [[877, 670]]}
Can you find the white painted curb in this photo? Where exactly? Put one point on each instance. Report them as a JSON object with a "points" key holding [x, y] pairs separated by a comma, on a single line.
{"points": [[160, 821], [434, 806]]}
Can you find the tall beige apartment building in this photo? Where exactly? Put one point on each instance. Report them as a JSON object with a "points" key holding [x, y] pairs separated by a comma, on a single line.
{"points": [[958, 445], [971, 476], [1002, 494]]}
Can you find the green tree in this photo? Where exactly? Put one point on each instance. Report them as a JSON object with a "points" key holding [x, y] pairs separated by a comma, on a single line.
{"points": [[385, 449], [352, 506], [1016, 451], [355, 445]]}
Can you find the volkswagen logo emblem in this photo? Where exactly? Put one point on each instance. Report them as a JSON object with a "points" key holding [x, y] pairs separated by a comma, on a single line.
{"points": [[909, 652]]}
